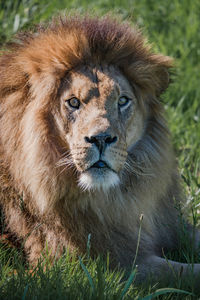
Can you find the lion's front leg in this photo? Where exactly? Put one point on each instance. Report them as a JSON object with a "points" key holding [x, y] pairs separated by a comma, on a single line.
{"points": [[34, 245], [158, 269]]}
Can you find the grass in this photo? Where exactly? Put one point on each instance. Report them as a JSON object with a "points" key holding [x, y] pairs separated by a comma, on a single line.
{"points": [[173, 29], [70, 278]]}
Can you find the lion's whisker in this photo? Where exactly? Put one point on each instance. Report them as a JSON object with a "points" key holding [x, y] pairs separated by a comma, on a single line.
{"points": [[132, 167]]}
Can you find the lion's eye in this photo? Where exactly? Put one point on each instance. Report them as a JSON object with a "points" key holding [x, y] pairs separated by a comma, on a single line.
{"points": [[73, 102], [123, 101]]}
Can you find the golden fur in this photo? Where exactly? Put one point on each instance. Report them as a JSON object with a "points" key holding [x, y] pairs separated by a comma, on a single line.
{"points": [[48, 190]]}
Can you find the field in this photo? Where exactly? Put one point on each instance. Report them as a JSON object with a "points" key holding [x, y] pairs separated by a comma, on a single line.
{"points": [[173, 28]]}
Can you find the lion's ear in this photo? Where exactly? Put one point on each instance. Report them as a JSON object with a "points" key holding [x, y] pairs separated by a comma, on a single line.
{"points": [[161, 75], [150, 73]]}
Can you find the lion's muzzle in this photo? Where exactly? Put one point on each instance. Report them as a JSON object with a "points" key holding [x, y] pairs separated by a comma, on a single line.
{"points": [[99, 162]]}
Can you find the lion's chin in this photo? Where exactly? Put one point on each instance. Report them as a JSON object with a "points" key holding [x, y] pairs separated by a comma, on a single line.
{"points": [[98, 179]]}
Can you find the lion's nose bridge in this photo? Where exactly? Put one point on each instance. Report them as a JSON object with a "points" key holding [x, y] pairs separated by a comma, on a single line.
{"points": [[100, 126]]}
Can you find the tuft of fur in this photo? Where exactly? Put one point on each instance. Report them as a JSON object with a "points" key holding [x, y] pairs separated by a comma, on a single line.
{"points": [[39, 190]]}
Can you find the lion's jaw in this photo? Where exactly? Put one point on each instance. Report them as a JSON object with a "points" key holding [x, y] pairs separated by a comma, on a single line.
{"points": [[100, 131]]}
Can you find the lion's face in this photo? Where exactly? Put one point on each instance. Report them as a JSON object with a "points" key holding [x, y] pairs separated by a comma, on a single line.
{"points": [[101, 119]]}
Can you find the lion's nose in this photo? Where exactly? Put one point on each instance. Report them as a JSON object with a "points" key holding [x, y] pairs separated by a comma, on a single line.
{"points": [[101, 140]]}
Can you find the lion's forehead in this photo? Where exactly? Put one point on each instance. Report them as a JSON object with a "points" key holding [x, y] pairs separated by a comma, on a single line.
{"points": [[94, 83]]}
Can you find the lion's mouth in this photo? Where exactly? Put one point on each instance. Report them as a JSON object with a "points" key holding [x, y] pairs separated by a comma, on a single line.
{"points": [[98, 176], [100, 164]]}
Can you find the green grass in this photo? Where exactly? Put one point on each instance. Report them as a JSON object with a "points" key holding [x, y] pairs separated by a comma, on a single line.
{"points": [[173, 27], [71, 278]]}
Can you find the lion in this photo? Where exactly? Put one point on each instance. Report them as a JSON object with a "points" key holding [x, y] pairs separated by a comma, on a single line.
{"points": [[85, 148]]}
